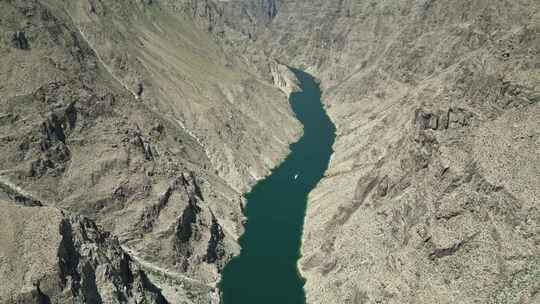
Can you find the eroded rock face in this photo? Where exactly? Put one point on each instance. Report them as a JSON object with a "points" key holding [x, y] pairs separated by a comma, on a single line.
{"points": [[50, 256]]}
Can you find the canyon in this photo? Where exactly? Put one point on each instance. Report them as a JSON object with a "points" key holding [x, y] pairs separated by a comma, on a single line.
{"points": [[276, 208], [130, 130]]}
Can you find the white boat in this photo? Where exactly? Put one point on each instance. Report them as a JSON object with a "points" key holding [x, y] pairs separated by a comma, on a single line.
{"points": [[296, 176]]}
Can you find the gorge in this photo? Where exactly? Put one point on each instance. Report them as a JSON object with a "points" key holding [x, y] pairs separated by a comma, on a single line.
{"points": [[131, 130], [275, 211]]}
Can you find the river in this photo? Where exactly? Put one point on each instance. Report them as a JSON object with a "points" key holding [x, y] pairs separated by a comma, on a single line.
{"points": [[266, 270]]}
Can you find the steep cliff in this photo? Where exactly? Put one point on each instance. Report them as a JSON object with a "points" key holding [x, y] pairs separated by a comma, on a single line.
{"points": [[49, 256]]}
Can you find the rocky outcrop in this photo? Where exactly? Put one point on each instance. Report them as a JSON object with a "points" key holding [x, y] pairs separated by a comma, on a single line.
{"points": [[216, 248], [283, 78], [54, 257], [19, 41]]}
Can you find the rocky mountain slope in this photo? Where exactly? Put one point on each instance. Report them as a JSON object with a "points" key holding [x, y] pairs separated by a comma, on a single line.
{"points": [[129, 115], [50, 256]]}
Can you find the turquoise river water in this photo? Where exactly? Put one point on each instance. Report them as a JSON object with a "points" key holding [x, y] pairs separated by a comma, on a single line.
{"points": [[266, 270]]}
